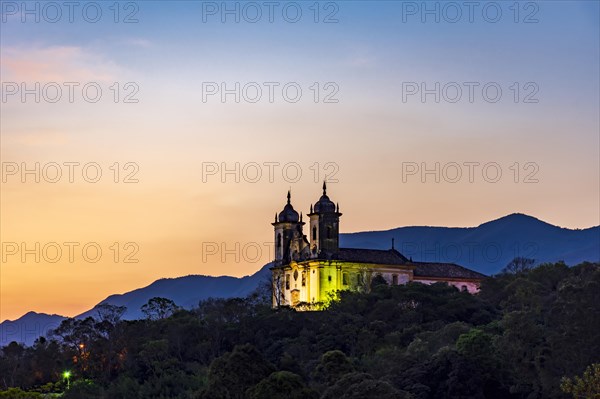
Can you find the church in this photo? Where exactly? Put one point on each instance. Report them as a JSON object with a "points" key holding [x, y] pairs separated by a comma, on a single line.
{"points": [[307, 270]]}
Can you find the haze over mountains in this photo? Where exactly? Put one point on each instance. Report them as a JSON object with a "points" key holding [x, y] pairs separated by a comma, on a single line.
{"points": [[486, 248]]}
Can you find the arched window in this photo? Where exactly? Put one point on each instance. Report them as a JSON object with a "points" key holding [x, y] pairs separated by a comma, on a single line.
{"points": [[314, 232], [279, 240]]}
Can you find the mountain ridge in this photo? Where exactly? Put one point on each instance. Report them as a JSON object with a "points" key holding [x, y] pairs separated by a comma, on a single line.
{"points": [[513, 235]]}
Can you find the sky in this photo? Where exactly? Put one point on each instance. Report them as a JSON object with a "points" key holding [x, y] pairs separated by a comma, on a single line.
{"points": [[151, 139]]}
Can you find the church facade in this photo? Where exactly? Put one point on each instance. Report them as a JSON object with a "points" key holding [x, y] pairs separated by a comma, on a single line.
{"points": [[307, 270]]}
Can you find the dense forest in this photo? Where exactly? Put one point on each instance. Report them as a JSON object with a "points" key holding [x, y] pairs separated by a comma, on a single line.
{"points": [[530, 333]]}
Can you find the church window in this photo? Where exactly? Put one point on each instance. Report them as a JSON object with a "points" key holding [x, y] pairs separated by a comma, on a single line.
{"points": [[287, 281], [279, 240], [328, 232], [314, 233], [394, 279], [345, 278], [295, 275], [304, 279], [329, 278]]}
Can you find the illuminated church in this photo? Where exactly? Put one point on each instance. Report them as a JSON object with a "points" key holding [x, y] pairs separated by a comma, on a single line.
{"points": [[308, 269]]}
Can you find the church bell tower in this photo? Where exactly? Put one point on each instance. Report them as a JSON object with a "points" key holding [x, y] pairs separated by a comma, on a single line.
{"points": [[288, 233], [324, 226]]}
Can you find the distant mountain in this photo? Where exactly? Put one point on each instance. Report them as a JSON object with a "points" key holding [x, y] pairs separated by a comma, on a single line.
{"points": [[486, 248], [28, 327], [184, 291]]}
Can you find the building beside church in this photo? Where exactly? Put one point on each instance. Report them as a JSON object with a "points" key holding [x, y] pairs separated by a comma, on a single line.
{"points": [[307, 269]]}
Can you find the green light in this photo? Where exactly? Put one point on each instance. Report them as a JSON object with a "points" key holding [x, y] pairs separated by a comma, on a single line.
{"points": [[67, 376]]}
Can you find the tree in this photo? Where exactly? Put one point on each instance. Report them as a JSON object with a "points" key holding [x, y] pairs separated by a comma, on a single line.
{"points": [[378, 280], [365, 277], [475, 345], [232, 374], [47, 361], [514, 340], [277, 287], [281, 385], [519, 265], [263, 294], [75, 332], [84, 389], [362, 386], [333, 365], [16, 393], [587, 386], [110, 313], [11, 360], [159, 308]]}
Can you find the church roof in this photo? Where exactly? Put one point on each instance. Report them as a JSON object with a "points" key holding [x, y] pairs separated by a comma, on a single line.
{"points": [[393, 257], [376, 256], [444, 270]]}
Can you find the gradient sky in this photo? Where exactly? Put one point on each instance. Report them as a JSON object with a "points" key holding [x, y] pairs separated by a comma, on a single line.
{"points": [[368, 136]]}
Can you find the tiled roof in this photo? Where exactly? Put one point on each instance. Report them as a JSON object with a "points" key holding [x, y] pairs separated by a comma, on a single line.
{"points": [[393, 257], [376, 256], [444, 270]]}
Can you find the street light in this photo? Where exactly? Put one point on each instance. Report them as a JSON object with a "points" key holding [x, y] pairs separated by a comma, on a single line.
{"points": [[67, 376]]}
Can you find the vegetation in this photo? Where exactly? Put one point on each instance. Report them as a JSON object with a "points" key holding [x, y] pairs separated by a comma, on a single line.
{"points": [[530, 333]]}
